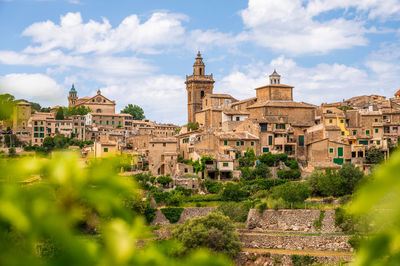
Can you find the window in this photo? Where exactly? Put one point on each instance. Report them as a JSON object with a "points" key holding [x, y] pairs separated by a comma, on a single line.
{"points": [[269, 140], [363, 142], [242, 142], [354, 132], [378, 142], [330, 121], [330, 150], [42, 135], [376, 119], [265, 149], [164, 144], [201, 94], [342, 133], [105, 149], [301, 140], [35, 135], [225, 164], [252, 143], [41, 122], [340, 151], [35, 123], [367, 132], [263, 127], [237, 143], [225, 142], [341, 121], [237, 118], [376, 130]]}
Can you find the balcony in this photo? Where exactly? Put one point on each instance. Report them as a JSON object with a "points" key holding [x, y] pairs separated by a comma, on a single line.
{"points": [[377, 124]]}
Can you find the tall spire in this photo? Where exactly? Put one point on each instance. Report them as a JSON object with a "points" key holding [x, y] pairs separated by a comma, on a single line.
{"points": [[198, 66]]}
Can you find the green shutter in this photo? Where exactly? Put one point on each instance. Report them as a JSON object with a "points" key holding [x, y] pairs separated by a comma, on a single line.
{"points": [[301, 140], [237, 143], [367, 132], [265, 149], [340, 151], [269, 140], [330, 150], [225, 142]]}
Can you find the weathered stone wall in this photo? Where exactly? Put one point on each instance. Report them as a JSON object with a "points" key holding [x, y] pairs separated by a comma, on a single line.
{"points": [[187, 213], [295, 242], [251, 258], [291, 220]]}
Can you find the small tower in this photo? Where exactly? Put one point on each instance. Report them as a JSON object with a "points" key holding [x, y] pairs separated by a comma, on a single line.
{"points": [[72, 96], [274, 78], [197, 86]]}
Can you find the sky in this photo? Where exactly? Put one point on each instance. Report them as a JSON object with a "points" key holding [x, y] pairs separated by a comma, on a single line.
{"points": [[140, 52]]}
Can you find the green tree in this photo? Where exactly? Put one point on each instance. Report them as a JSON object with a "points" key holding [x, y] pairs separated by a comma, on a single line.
{"points": [[192, 126], [374, 156], [48, 143], [233, 192], [12, 152], [214, 231], [327, 183], [291, 192], [351, 176], [262, 171], [60, 142], [213, 187], [60, 114], [164, 180], [135, 111], [248, 159]]}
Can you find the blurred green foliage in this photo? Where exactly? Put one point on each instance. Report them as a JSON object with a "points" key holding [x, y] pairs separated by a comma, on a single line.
{"points": [[77, 214], [378, 202]]}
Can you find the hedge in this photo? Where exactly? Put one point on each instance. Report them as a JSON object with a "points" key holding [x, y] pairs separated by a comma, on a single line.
{"points": [[172, 214]]}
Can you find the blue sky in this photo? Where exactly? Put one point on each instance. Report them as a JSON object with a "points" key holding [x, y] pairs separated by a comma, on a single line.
{"points": [[140, 51]]}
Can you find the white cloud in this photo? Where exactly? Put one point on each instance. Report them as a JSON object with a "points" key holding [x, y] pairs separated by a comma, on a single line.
{"points": [[34, 87], [297, 27], [321, 83], [114, 65], [161, 96], [161, 29]]}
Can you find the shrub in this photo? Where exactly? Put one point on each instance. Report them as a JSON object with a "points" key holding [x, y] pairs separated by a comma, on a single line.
{"points": [[233, 192], [237, 212], [268, 158], [344, 221], [206, 198], [298, 260], [213, 187], [326, 183], [172, 214], [374, 156], [161, 197], [262, 207], [291, 192], [214, 231], [291, 174], [11, 152], [175, 198], [351, 175], [149, 214], [164, 180], [318, 223], [248, 159], [292, 164], [185, 191], [261, 171]]}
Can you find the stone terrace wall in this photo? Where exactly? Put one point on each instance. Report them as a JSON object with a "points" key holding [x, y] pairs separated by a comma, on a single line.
{"points": [[291, 220], [296, 242], [187, 213], [251, 258]]}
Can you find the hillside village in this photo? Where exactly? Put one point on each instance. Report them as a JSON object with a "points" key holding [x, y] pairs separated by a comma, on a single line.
{"points": [[275, 171], [224, 128]]}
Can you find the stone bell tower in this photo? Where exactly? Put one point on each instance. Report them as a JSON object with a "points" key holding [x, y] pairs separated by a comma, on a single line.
{"points": [[72, 96], [197, 86]]}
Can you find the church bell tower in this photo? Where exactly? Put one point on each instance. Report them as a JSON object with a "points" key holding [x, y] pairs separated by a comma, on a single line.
{"points": [[197, 86], [72, 96]]}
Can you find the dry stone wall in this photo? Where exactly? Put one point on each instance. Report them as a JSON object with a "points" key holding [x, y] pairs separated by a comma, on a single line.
{"points": [[296, 242], [187, 213], [291, 220], [267, 259]]}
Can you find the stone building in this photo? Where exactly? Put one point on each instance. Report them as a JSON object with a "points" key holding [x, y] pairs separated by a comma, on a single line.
{"points": [[197, 86], [97, 103]]}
